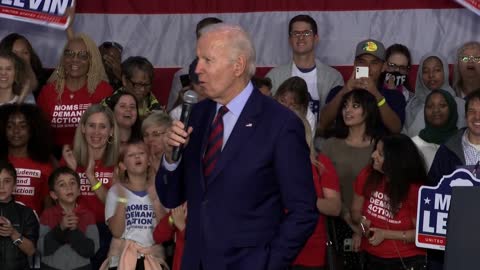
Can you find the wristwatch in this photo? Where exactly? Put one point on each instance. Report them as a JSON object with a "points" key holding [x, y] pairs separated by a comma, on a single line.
{"points": [[19, 241]]}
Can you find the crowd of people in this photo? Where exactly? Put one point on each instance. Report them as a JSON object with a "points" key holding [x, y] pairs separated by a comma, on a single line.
{"points": [[271, 169]]}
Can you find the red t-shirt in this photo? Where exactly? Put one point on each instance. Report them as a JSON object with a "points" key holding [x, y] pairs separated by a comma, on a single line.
{"points": [[376, 209], [32, 182], [64, 115], [314, 251], [88, 198]]}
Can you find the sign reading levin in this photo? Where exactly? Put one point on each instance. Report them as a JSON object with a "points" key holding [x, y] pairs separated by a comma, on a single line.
{"points": [[46, 12], [473, 5], [433, 206]]}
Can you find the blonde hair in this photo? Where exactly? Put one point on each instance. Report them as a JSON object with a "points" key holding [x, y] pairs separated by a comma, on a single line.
{"points": [[80, 146], [157, 118], [123, 175], [457, 78], [309, 138], [96, 71]]}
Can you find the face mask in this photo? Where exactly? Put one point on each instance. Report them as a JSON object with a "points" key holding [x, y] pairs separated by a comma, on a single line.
{"points": [[398, 78]]}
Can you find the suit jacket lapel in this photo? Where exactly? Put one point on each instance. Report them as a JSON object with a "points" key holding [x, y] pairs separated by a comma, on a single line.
{"points": [[243, 129]]}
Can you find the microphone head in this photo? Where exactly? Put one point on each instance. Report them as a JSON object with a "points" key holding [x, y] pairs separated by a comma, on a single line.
{"points": [[190, 97]]}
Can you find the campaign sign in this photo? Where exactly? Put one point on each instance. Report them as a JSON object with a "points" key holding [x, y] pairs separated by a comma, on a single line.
{"points": [[473, 5], [45, 12], [433, 205]]}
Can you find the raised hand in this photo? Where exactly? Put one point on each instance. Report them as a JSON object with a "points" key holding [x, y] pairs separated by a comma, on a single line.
{"points": [[154, 166], [114, 64], [90, 170], [67, 154], [179, 216]]}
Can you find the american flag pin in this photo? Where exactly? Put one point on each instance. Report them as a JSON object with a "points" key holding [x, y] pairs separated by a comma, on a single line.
{"points": [[249, 125]]}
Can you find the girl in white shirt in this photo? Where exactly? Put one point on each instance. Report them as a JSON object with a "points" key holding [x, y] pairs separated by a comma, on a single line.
{"points": [[132, 211]]}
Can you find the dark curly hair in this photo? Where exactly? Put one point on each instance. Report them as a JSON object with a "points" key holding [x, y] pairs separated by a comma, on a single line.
{"points": [[40, 142]]}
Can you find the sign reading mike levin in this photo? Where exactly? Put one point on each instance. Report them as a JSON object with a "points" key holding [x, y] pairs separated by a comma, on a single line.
{"points": [[45, 12], [433, 205], [473, 5]]}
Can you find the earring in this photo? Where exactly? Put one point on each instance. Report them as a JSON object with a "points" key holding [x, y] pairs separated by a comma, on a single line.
{"points": [[110, 139]]}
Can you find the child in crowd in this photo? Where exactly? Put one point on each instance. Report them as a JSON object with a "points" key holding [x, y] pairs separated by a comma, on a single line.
{"points": [[18, 224], [132, 211], [68, 232]]}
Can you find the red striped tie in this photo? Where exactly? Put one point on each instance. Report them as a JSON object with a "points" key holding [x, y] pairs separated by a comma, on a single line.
{"points": [[215, 142]]}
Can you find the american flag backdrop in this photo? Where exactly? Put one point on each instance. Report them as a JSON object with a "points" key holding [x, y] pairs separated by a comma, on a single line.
{"points": [[164, 30]]}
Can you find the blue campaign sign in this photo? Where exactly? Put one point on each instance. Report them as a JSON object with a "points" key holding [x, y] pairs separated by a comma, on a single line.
{"points": [[46, 12], [433, 206]]}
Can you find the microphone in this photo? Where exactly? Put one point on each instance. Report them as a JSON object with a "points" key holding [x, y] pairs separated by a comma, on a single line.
{"points": [[189, 99]]}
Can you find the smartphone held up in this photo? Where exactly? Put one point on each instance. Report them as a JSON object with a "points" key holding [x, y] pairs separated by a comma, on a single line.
{"points": [[361, 72]]}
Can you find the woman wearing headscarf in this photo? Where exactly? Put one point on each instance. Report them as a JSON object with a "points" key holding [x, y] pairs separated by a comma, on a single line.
{"points": [[440, 124], [432, 74]]}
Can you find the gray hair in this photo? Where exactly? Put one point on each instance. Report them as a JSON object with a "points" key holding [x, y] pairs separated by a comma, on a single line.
{"points": [[457, 78], [239, 41], [157, 118]]}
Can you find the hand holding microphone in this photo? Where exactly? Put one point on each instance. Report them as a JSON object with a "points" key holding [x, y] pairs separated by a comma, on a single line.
{"points": [[177, 136]]}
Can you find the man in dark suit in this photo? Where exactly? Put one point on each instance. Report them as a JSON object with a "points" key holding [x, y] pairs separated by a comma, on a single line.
{"points": [[245, 169]]}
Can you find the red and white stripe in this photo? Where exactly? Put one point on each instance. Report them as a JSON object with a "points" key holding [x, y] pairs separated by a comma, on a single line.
{"points": [[164, 31]]}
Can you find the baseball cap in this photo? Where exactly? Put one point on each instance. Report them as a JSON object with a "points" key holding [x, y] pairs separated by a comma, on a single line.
{"points": [[371, 46]]}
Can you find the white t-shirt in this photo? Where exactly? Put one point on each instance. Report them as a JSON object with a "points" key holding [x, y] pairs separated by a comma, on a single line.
{"points": [[311, 80], [312, 120], [140, 215]]}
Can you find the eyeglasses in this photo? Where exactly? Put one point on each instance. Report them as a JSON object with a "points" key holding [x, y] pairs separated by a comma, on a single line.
{"points": [[82, 55], [140, 85], [470, 59], [395, 67], [112, 44], [299, 34]]}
